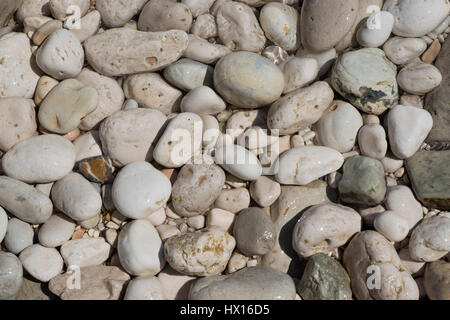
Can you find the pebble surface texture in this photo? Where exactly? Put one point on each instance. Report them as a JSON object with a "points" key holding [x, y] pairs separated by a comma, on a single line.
{"points": [[224, 150]]}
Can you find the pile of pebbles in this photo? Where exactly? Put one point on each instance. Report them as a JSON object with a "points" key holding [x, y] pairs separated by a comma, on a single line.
{"points": [[218, 149]]}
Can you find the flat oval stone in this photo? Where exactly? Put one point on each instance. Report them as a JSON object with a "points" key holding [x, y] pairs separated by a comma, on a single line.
{"points": [[40, 159], [116, 13], [299, 72], [367, 79], [233, 200], [300, 166], [238, 161], [140, 249], [3, 223], [17, 121], [187, 74], [246, 284], [56, 231], [437, 280], [248, 80], [203, 51], [404, 50], [41, 262], [24, 201], [372, 141], [11, 275], [400, 199], [145, 288], [162, 15], [391, 225], [19, 235], [85, 252], [419, 78], [76, 197], [376, 30], [139, 190]]}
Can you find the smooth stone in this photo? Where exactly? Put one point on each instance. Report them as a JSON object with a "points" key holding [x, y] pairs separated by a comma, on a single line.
{"points": [[90, 223], [367, 79], [44, 86], [45, 30], [400, 199], [363, 181], [323, 228], [61, 8], [97, 169], [19, 236], [66, 105], [140, 249], [89, 25], [41, 262], [11, 275], [18, 77], [203, 51], [202, 253], [7, 9], [56, 231], [407, 129], [162, 15], [238, 161], [3, 223], [31, 8], [300, 166], [300, 109], [430, 179], [281, 25], [256, 138], [238, 28], [376, 30], [254, 232], [419, 78], [338, 126], [430, 240], [247, 284], [220, 218], [151, 91], [110, 97], [202, 100], [324, 279], [140, 189], [116, 13], [180, 141], [23, 201], [33, 290], [413, 267], [404, 50], [122, 51], [265, 191], [372, 141], [416, 18], [233, 200], [391, 225], [241, 120], [205, 26], [187, 74], [87, 145], [76, 197], [144, 288], [325, 23], [61, 55], [196, 188], [369, 248], [391, 163], [85, 252], [128, 136], [175, 285], [299, 72], [325, 59], [437, 280], [17, 121], [32, 23], [96, 283], [248, 80]]}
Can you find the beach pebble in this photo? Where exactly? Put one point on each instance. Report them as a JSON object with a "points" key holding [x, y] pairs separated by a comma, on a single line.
{"points": [[116, 13], [404, 50], [202, 100], [264, 191], [220, 218], [211, 131], [419, 78], [41, 262], [96, 169], [233, 200], [3, 223], [323, 228], [87, 145], [45, 30], [376, 30], [60, 9], [89, 25], [23, 201], [175, 285], [241, 120], [187, 74], [122, 51], [203, 51], [32, 23], [56, 231], [162, 15], [407, 129], [325, 59], [44, 86], [76, 197], [414, 267], [391, 225], [201, 253], [198, 7], [299, 72], [144, 288], [300, 166], [85, 252], [238, 161], [17, 121], [19, 235], [372, 141], [204, 26], [400, 199], [139, 189], [11, 275], [437, 280]]}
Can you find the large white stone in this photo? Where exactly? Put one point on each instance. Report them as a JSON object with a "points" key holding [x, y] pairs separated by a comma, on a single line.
{"points": [[145, 288], [85, 252], [238, 161], [56, 231], [11, 275], [41, 262]]}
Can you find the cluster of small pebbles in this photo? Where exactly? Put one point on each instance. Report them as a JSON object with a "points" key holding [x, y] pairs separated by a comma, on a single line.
{"points": [[219, 149]]}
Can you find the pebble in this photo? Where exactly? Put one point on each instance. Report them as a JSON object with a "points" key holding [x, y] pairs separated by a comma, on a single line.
{"points": [[203, 101], [116, 13], [204, 26], [237, 262], [187, 74], [372, 141], [144, 288], [391, 225], [264, 191], [220, 218], [419, 78], [299, 72], [31, 8], [402, 51], [140, 249], [300, 166], [413, 267], [175, 285], [246, 284], [60, 8], [275, 54], [376, 30], [19, 235], [76, 197], [338, 126], [161, 15], [3, 224], [129, 136], [400, 200], [17, 75], [363, 181], [241, 120], [85, 252], [32, 23], [89, 25], [432, 52], [203, 51], [23, 201], [325, 59], [391, 163], [56, 231], [233, 200], [254, 232], [200, 253], [323, 228], [407, 129], [140, 189], [238, 161], [17, 121], [248, 80], [437, 280], [11, 275], [41, 262], [45, 30], [96, 169], [167, 231], [300, 109], [238, 28], [122, 51]]}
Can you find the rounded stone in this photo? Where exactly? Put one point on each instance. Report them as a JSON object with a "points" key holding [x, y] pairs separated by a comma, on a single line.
{"points": [[162, 15], [419, 78], [11, 275], [203, 51], [202, 100], [238, 161], [233, 200], [376, 30], [437, 280], [145, 288], [85, 252], [299, 72], [116, 13], [372, 141], [187, 74], [401, 200], [56, 231], [41, 262], [391, 225], [19, 236], [264, 191], [404, 50], [60, 8], [3, 223]]}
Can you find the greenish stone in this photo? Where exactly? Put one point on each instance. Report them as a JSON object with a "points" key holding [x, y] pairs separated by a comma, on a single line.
{"points": [[429, 173], [363, 181], [324, 279]]}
